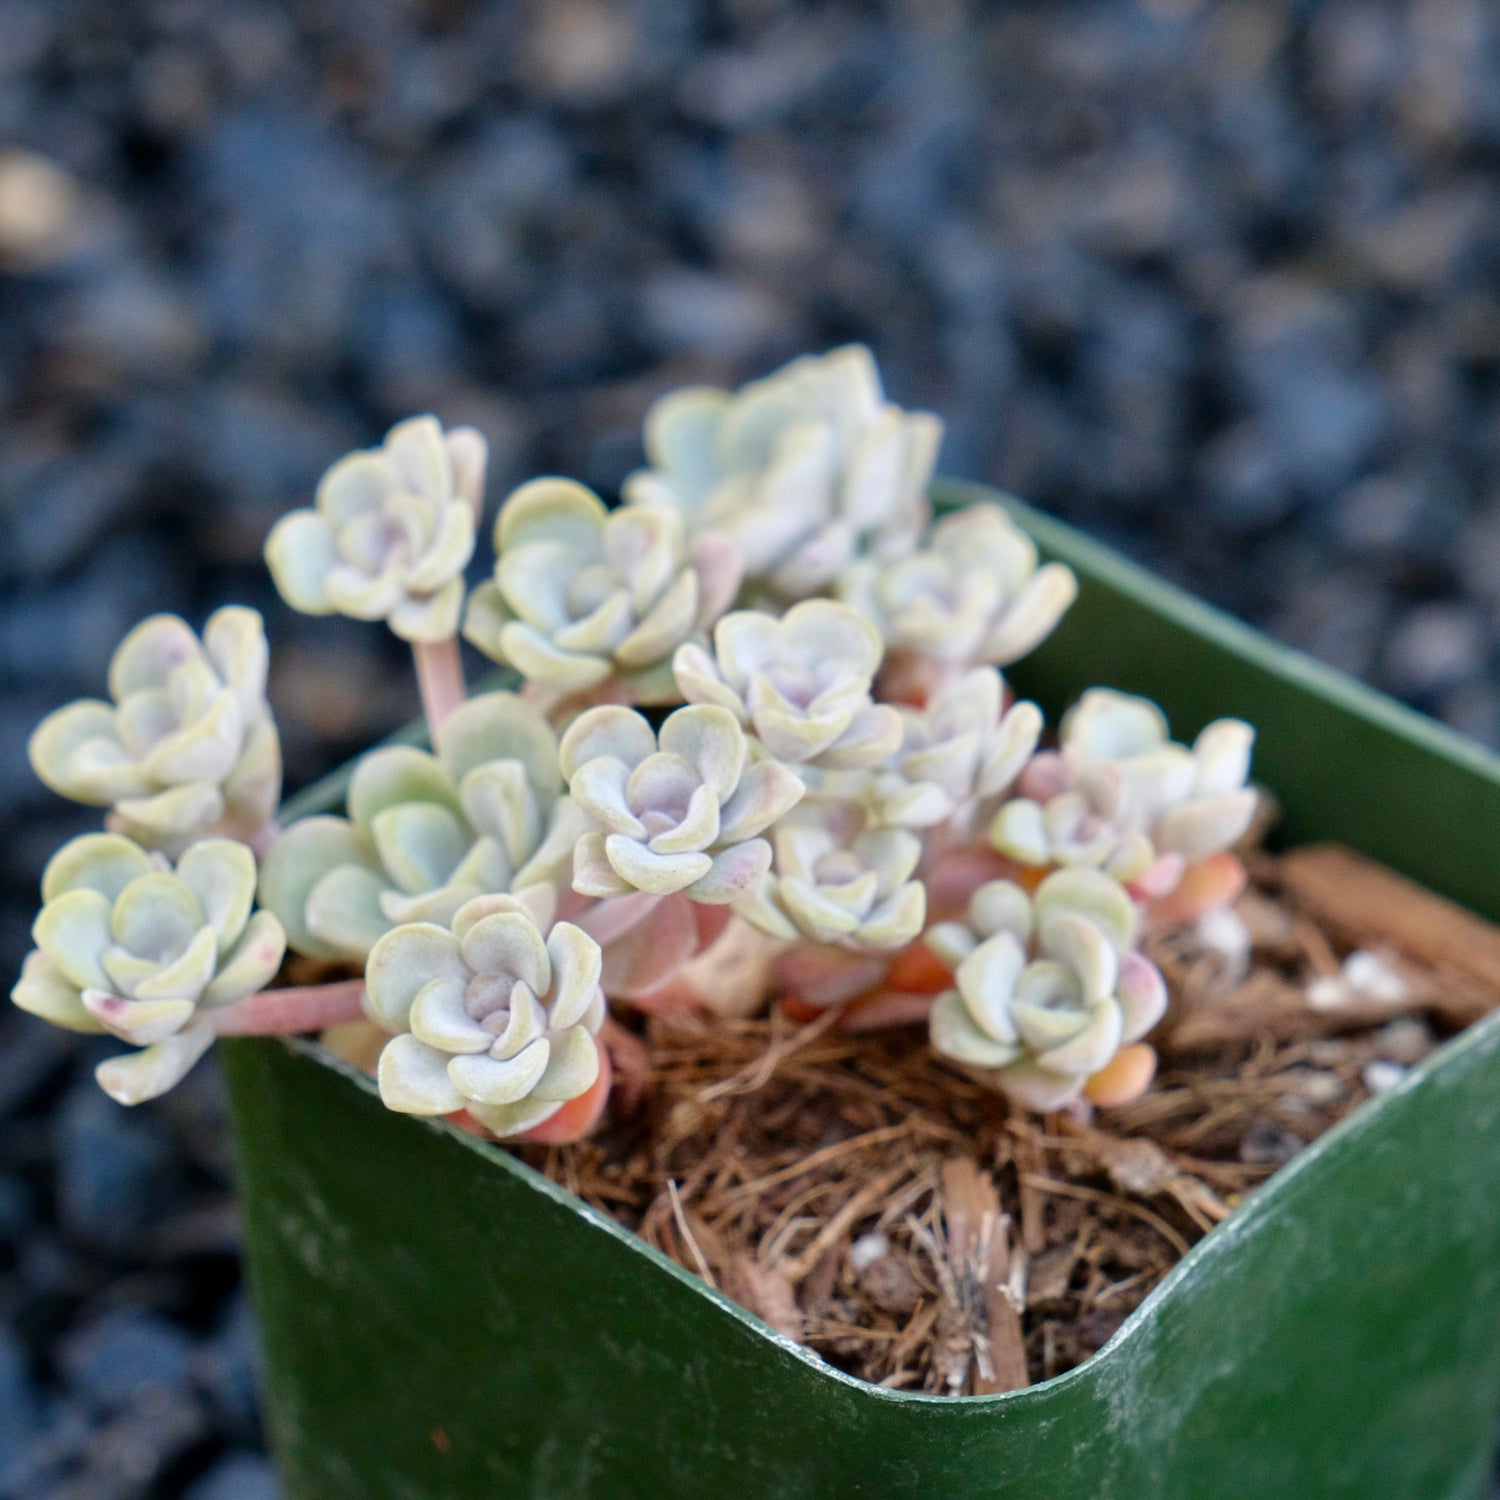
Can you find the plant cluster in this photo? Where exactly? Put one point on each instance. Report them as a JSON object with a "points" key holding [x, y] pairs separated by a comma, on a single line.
{"points": [[755, 747]]}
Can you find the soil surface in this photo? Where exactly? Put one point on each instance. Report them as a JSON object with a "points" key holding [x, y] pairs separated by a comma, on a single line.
{"points": [[892, 1212]]}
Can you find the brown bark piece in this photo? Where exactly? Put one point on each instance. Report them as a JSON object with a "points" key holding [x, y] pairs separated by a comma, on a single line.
{"points": [[1370, 906], [981, 1314]]}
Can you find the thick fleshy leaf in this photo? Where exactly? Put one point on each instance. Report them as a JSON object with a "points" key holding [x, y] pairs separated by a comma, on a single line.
{"points": [[493, 1080], [735, 872], [1001, 906], [343, 914], [234, 640], [767, 791], [150, 653], [699, 828], [608, 730], [420, 845], [448, 553], [699, 681], [139, 1022], [301, 551], [440, 1018], [600, 787], [986, 979], [593, 873], [397, 775], [45, 992], [304, 853], [660, 874], [1142, 993], [413, 1079], [572, 1067], [710, 740], [429, 618], [507, 943], [1093, 895], [73, 932], [953, 1034], [500, 803], [402, 963], [149, 1073], [221, 875], [896, 920], [576, 966], [552, 510], [251, 964], [171, 816], [76, 752], [501, 726], [485, 615], [103, 862], [186, 977], [671, 618]]}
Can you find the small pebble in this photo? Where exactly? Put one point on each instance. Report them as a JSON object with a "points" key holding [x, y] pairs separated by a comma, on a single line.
{"points": [[1381, 1076]]}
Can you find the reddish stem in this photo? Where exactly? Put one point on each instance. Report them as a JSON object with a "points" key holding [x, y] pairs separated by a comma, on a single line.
{"points": [[440, 680], [286, 1012]]}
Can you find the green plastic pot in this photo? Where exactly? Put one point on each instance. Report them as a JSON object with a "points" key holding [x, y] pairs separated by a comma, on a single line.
{"points": [[439, 1320]]}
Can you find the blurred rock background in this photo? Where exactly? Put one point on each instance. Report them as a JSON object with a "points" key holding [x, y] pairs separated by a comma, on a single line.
{"points": [[1219, 281]]}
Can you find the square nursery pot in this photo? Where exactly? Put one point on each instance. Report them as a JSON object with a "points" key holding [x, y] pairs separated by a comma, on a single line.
{"points": [[439, 1320]]}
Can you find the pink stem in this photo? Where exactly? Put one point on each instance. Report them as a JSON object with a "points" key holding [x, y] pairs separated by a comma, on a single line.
{"points": [[286, 1012], [440, 680], [263, 837]]}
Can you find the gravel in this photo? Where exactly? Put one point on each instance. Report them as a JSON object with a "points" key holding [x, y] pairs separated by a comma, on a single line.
{"points": [[1215, 280]]}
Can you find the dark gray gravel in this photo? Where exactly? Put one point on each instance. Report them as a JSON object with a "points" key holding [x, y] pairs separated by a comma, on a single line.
{"points": [[1217, 280]]}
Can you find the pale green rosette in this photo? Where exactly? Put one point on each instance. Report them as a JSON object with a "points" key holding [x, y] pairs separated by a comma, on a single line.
{"points": [[389, 534], [425, 833], [491, 1017], [186, 746], [128, 944], [838, 881], [1048, 987], [585, 599], [802, 471], [680, 812]]}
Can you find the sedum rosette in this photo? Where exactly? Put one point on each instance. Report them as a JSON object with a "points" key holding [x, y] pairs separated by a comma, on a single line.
{"points": [[838, 881], [1119, 794], [803, 471], [963, 749], [583, 596], [679, 812], [1048, 987], [389, 534], [125, 943], [493, 1019], [973, 593], [426, 833], [187, 746], [800, 684]]}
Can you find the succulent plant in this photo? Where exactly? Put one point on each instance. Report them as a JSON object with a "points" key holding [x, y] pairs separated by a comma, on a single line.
{"points": [[803, 470], [426, 833], [492, 1018], [973, 593], [389, 534], [186, 746], [1120, 795], [1193, 803], [837, 880], [1048, 988], [583, 596], [962, 749], [800, 684], [681, 812], [125, 943]]}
